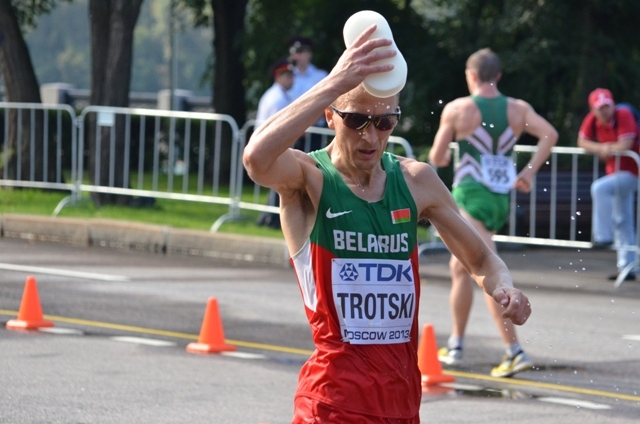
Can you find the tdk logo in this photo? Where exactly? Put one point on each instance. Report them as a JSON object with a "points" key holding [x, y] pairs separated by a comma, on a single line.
{"points": [[380, 272], [348, 272]]}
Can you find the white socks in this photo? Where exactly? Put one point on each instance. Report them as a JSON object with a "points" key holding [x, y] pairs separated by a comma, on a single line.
{"points": [[513, 349], [455, 342]]}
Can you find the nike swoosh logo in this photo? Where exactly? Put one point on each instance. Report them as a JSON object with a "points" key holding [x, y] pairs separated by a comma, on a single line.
{"points": [[337, 214]]}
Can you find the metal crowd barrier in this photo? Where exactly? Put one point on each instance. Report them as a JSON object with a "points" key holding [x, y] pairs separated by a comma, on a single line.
{"points": [[37, 130], [174, 155], [559, 200], [190, 148]]}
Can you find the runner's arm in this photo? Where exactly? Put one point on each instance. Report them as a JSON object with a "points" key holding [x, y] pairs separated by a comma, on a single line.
{"points": [[485, 266], [547, 137], [440, 154]]}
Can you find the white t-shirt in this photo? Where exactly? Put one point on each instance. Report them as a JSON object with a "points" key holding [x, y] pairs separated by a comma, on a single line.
{"points": [[272, 101]]}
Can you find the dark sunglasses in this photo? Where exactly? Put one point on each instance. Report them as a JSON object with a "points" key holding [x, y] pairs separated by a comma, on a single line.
{"points": [[360, 121]]}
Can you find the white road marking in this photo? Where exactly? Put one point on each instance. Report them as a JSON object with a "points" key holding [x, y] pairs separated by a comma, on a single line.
{"points": [[144, 341], [244, 355], [63, 272], [458, 386], [573, 402], [633, 337], [55, 330]]}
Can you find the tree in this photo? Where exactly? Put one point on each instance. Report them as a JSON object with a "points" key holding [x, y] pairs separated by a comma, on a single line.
{"points": [[112, 25], [227, 18], [21, 85], [553, 53]]}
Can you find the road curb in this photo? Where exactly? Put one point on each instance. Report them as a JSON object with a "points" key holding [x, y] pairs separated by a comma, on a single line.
{"points": [[146, 237]]}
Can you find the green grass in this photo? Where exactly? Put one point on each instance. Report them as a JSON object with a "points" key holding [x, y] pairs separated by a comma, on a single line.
{"points": [[173, 213]]}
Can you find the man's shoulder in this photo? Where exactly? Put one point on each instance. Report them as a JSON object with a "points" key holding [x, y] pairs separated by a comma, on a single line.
{"points": [[413, 169], [460, 106], [465, 101]]}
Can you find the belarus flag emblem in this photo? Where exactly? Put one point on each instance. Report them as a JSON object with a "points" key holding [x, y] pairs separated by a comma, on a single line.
{"points": [[400, 216]]}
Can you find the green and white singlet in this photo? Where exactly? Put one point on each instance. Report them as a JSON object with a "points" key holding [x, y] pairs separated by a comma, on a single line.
{"points": [[358, 275], [485, 173]]}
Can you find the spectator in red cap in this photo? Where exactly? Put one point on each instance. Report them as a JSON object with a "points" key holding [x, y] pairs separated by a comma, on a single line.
{"points": [[277, 96], [605, 130]]}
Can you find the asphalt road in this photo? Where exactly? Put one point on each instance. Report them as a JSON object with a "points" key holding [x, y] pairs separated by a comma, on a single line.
{"points": [[123, 320]]}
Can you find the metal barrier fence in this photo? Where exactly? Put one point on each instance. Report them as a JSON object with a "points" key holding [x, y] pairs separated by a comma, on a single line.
{"points": [[559, 201], [38, 145], [166, 154], [147, 153]]}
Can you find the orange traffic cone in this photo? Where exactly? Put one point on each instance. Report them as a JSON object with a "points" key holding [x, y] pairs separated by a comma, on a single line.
{"points": [[428, 363], [30, 313], [211, 338]]}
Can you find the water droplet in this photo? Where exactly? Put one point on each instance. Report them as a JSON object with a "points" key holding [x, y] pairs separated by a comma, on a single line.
{"points": [[613, 301], [529, 166], [484, 124], [584, 269], [547, 162], [439, 101], [544, 189], [575, 371], [491, 125]]}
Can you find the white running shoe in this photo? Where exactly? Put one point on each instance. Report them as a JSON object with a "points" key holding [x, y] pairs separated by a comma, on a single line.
{"points": [[450, 356]]}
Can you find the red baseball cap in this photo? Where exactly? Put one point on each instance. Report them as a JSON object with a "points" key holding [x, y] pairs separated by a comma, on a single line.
{"points": [[600, 97], [281, 65]]}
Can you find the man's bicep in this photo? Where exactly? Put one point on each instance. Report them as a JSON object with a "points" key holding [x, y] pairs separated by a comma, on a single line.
{"points": [[285, 171]]}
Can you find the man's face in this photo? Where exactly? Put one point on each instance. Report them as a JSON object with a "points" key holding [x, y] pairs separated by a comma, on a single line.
{"points": [[285, 79], [361, 148], [301, 57], [604, 113]]}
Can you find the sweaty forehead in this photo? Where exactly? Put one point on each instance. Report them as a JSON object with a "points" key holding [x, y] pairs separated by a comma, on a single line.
{"points": [[358, 100]]}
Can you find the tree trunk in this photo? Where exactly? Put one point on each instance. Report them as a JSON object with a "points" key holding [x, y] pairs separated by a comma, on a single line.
{"points": [[228, 22], [112, 26], [21, 85], [228, 89]]}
